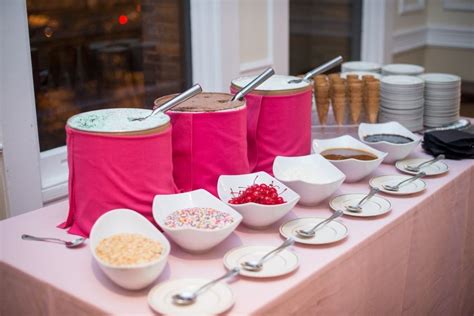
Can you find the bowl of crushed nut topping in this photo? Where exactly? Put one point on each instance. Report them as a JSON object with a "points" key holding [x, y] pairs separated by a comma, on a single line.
{"points": [[128, 248]]}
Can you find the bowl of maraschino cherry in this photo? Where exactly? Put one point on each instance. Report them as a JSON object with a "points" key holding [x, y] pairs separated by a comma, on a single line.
{"points": [[258, 197]]}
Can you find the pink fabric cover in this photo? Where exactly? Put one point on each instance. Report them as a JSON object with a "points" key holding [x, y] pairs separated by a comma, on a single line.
{"points": [[277, 125], [108, 172], [415, 260], [207, 145]]}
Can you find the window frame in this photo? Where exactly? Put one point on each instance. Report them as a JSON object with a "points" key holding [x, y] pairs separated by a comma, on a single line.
{"points": [[215, 56]]}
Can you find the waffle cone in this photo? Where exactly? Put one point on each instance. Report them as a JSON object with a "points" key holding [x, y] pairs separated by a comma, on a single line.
{"points": [[322, 109], [339, 109], [356, 109]]}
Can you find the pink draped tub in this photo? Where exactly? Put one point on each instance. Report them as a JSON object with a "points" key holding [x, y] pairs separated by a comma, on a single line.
{"points": [[278, 124]]}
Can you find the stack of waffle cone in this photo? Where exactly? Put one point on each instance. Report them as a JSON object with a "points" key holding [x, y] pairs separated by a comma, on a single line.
{"points": [[321, 91], [355, 99], [371, 98], [338, 97]]}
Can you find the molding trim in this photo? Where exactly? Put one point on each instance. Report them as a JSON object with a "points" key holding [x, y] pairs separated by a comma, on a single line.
{"points": [[406, 7], [54, 174], [409, 39], [433, 35], [450, 36], [458, 5]]}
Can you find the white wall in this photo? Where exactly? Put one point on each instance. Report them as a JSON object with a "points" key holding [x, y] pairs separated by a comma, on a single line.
{"points": [[437, 37], [232, 38]]}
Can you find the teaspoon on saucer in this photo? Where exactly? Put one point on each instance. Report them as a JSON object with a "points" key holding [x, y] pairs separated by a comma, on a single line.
{"points": [[358, 207], [256, 265], [404, 182], [310, 233], [188, 298]]}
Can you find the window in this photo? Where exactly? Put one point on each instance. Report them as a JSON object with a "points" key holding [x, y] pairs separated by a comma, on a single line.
{"points": [[94, 54], [321, 30]]}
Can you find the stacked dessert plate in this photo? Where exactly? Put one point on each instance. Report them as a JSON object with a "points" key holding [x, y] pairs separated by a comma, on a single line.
{"points": [[402, 69], [360, 66], [442, 99], [402, 101]]}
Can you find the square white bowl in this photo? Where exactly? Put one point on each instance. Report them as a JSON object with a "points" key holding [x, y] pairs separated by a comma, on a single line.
{"points": [[354, 169], [256, 215], [189, 238], [394, 152], [120, 221], [324, 178]]}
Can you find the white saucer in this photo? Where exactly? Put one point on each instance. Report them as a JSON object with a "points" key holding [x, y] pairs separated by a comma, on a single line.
{"points": [[376, 206], [437, 168], [281, 263], [411, 188], [215, 300], [329, 233]]}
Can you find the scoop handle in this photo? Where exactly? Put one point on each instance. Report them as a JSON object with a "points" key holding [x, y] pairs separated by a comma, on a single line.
{"points": [[326, 66], [180, 98], [253, 84]]}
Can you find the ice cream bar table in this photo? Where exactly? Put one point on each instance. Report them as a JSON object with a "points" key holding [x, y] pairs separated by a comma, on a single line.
{"points": [[416, 260]]}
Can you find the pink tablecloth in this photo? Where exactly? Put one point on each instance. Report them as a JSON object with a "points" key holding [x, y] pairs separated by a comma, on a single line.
{"points": [[417, 260]]}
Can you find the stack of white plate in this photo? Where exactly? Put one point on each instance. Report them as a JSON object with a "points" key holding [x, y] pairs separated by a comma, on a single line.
{"points": [[401, 100], [360, 66], [402, 69], [442, 98]]}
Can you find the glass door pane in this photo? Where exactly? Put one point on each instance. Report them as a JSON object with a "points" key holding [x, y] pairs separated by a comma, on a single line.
{"points": [[321, 30], [94, 54]]}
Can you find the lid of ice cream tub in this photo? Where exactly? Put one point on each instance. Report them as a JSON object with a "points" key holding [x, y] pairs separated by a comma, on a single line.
{"points": [[117, 120], [205, 102], [276, 84]]}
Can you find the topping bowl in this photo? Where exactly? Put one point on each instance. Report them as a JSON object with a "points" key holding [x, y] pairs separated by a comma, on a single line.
{"points": [[193, 239], [121, 221], [354, 169], [312, 177], [394, 151], [256, 215]]}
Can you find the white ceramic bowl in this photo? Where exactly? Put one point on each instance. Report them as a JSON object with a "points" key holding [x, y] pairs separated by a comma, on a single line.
{"points": [[394, 152], [127, 221], [312, 177], [256, 215], [193, 239], [354, 169]]}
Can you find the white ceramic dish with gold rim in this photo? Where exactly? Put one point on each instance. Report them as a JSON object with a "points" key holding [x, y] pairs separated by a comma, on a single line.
{"points": [[215, 300]]}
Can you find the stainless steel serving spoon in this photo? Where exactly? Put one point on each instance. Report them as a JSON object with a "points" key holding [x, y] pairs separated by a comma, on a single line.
{"points": [[69, 244], [318, 70], [404, 182], [257, 265], [180, 98], [188, 298], [424, 164], [358, 207], [253, 84], [310, 233], [460, 124]]}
